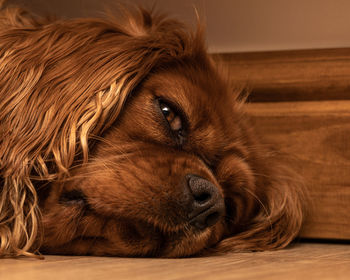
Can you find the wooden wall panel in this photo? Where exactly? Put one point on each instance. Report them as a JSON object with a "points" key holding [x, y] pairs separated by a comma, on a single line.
{"points": [[317, 136], [291, 75]]}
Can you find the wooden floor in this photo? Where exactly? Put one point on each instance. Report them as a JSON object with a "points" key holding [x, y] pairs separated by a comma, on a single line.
{"points": [[301, 261]]}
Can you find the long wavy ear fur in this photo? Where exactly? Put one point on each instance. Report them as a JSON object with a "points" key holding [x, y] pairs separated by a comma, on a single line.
{"points": [[280, 200], [62, 82], [276, 224]]}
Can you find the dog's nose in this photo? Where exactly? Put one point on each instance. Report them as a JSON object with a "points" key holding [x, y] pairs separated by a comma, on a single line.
{"points": [[206, 204]]}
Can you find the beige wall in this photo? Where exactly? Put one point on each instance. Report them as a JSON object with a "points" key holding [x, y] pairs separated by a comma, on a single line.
{"points": [[242, 25]]}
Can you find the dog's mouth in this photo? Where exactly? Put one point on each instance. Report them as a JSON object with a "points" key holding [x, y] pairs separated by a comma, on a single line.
{"points": [[165, 241], [140, 239]]}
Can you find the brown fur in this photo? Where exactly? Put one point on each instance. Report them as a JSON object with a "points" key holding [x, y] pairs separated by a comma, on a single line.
{"points": [[77, 112]]}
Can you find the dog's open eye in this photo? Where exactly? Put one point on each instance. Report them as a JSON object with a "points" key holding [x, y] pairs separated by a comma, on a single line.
{"points": [[174, 120]]}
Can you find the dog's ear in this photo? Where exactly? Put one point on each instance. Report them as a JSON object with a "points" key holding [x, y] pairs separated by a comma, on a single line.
{"points": [[280, 199]]}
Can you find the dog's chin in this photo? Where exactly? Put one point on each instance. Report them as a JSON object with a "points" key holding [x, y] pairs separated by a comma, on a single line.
{"points": [[139, 239]]}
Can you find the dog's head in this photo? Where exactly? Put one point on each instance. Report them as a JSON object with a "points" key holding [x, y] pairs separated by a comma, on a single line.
{"points": [[133, 142]]}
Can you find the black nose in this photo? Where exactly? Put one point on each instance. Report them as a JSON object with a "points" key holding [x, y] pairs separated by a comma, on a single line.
{"points": [[206, 205]]}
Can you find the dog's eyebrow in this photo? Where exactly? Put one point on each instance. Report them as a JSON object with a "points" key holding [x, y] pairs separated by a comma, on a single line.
{"points": [[159, 91]]}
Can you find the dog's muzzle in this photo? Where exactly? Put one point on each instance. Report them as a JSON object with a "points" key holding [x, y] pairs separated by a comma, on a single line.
{"points": [[206, 205]]}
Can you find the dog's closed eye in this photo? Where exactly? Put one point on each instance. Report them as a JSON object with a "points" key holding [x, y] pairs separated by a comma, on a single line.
{"points": [[73, 197]]}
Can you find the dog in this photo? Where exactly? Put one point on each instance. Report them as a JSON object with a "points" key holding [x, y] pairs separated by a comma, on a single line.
{"points": [[124, 138]]}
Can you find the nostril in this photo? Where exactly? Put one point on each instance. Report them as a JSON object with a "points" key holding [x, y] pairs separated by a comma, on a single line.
{"points": [[202, 197], [201, 189]]}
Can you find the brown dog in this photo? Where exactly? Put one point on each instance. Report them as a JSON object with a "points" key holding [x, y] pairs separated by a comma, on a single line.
{"points": [[124, 139]]}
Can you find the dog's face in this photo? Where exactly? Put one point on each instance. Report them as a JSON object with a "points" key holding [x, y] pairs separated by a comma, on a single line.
{"points": [[130, 142], [158, 181]]}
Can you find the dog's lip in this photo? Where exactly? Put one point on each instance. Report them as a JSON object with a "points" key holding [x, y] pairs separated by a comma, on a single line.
{"points": [[60, 248]]}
